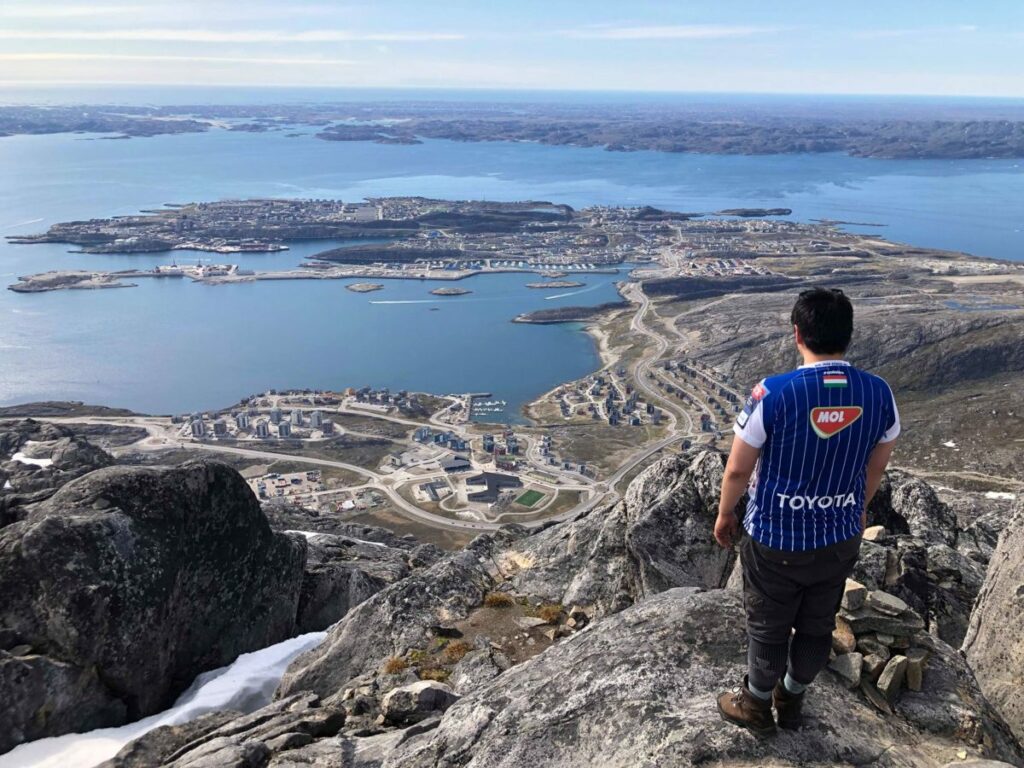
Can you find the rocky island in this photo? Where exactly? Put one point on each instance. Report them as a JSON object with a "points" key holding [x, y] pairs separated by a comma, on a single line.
{"points": [[556, 284], [877, 128], [70, 279], [450, 291], [754, 213], [364, 287]]}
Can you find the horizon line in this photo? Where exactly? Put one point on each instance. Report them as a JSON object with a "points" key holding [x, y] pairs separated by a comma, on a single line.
{"points": [[499, 88]]}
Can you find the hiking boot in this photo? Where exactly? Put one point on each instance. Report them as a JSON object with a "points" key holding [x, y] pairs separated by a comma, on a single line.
{"points": [[746, 710], [787, 707]]}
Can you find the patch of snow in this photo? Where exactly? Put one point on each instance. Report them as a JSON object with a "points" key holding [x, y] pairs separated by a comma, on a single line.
{"points": [[21, 457], [8, 486], [307, 534], [1002, 495], [949, 444], [313, 534], [244, 685]]}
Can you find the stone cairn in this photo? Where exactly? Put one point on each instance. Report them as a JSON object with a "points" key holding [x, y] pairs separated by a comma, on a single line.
{"points": [[873, 645]]}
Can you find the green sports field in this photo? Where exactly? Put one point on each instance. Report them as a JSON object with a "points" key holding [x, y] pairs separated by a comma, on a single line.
{"points": [[530, 498]]}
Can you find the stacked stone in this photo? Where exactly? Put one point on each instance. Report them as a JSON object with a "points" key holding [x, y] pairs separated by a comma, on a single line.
{"points": [[873, 645]]}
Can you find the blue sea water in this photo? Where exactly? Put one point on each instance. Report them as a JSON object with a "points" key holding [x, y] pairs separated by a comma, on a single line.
{"points": [[171, 345]]}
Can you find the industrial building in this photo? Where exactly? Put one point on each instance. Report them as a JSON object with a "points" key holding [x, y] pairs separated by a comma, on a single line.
{"points": [[491, 485], [456, 464]]}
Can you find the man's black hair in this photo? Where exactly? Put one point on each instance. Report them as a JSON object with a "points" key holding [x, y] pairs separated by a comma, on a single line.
{"points": [[824, 317]]}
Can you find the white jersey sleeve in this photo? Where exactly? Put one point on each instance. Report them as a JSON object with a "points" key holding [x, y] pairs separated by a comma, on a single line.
{"points": [[749, 426], [893, 430]]}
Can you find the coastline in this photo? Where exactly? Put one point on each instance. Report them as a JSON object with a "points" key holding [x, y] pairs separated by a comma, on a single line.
{"points": [[56, 280], [600, 338]]}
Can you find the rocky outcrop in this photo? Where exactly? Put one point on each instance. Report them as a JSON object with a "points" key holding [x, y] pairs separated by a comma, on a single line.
{"points": [[246, 741], [636, 689], [994, 644], [654, 539], [157, 746], [601, 641], [49, 455], [128, 582], [286, 516], [924, 555], [417, 701], [401, 617], [340, 573]]}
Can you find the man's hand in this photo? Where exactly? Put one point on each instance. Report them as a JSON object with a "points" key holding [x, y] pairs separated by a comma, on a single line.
{"points": [[742, 460], [727, 526]]}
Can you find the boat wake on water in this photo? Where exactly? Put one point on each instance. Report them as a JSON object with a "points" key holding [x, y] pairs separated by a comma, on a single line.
{"points": [[407, 301], [573, 293], [20, 224]]}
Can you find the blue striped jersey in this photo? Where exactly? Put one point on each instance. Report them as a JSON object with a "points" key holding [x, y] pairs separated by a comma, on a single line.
{"points": [[816, 427]]}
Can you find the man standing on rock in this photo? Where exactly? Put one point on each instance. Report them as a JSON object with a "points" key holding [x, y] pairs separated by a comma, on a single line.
{"points": [[812, 444]]}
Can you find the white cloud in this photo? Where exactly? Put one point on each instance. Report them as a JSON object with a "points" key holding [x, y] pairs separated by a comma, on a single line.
{"points": [[55, 56], [227, 36], [876, 34], [40, 11], [674, 32]]}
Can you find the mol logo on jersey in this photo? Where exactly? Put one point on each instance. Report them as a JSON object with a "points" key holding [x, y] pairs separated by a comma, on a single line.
{"points": [[830, 420]]}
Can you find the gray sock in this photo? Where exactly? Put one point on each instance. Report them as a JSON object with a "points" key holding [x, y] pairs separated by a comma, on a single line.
{"points": [[792, 685], [762, 695]]}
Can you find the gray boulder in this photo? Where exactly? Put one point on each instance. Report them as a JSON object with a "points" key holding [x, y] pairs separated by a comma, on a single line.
{"points": [[417, 701], [23, 484], [637, 690], [906, 504], [131, 581], [994, 644], [655, 538], [340, 573]]}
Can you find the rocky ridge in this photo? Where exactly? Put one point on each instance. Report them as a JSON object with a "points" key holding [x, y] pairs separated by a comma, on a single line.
{"points": [[617, 633], [125, 583], [997, 656]]}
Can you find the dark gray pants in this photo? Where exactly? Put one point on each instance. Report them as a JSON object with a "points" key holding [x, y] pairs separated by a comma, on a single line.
{"points": [[791, 599]]}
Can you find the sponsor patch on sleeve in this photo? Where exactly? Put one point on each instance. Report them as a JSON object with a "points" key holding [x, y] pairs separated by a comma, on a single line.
{"points": [[757, 394]]}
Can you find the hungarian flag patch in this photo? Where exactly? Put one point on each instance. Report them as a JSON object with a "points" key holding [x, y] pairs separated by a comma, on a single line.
{"points": [[834, 379], [830, 420]]}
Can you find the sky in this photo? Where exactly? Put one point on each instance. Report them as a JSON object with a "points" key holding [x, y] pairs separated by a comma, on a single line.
{"points": [[932, 47]]}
